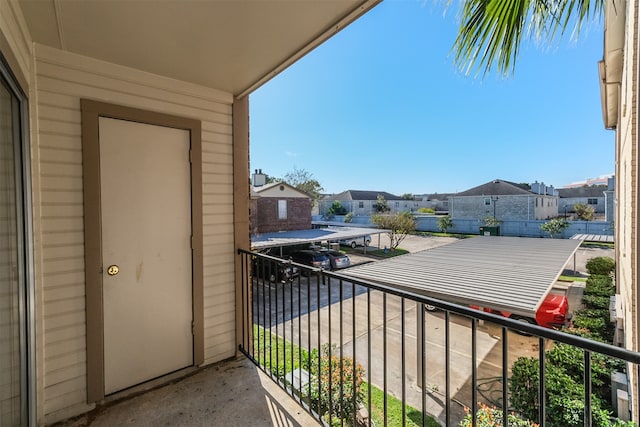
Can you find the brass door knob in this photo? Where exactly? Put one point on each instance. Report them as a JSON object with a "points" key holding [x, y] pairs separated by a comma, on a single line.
{"points": [[113, 270]]}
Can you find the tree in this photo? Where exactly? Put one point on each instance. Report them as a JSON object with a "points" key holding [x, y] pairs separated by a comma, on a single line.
{"points": [[445, 223], [491, 31], [584, 212], [337, 208], [555, 226], [304, 181], [381, 204], [398, 226], [408, 196]]}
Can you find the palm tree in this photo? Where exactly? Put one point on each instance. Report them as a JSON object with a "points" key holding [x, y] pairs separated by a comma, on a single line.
{"points": [[491, 30]]}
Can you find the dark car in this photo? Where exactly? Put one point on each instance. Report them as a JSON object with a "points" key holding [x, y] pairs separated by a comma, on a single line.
{"points": [[311, 258], [338, 259], [273, 270]]}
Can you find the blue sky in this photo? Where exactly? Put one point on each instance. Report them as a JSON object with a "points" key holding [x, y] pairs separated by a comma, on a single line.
{"points": [[381, 106]]}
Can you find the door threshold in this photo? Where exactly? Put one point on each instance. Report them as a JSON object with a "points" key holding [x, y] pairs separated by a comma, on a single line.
{"points": [[149, 385]]}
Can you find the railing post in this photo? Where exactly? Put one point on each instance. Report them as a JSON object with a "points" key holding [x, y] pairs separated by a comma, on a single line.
{"points": [[419, 342]]}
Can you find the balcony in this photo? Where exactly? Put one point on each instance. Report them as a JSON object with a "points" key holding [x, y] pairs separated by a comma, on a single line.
{"points": [[352, 352], [409, 366]]}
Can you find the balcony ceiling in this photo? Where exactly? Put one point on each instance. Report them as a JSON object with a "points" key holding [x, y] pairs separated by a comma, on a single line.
{"points": [[228, 45]]}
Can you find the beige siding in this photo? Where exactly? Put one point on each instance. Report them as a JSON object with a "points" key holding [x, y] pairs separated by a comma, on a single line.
{"points": [[15, 41], [627, 189], [62, 80]]}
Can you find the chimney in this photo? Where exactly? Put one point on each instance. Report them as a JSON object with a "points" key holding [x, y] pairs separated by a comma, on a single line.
{"points": [[259, 179]]}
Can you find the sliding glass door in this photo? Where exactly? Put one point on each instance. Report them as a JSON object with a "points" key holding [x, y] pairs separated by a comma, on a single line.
{"points": [[14, 295]]}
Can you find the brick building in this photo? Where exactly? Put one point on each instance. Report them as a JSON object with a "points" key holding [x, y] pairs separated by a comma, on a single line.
{"points": [[505, 201], [279, 207]]}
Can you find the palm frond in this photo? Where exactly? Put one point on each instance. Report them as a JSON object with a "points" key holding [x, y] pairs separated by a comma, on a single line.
{"points": [[491, 31]]}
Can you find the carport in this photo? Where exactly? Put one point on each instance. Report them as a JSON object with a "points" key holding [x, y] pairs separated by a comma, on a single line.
{"points": [[512, 274], [298, 237]]}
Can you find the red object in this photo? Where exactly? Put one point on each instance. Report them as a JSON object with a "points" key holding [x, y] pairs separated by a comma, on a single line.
{"points": [[553, 312]]}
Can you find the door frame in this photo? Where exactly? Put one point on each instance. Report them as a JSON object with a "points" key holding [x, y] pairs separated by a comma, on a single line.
{"points": [[91, 112]]}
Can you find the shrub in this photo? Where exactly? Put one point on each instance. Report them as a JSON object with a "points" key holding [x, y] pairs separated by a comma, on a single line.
{"points": [[564, 397], [445, 223], [595, 301], [603, 265], [332, 383], [599, 285], [491, 417], [426, 210], [348, 218]]}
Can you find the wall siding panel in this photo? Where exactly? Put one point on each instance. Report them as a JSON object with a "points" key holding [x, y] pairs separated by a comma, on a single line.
{"points": [[62, 80]]}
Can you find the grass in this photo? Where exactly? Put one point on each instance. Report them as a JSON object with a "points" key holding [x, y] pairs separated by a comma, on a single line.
{"points": [[572, 279], [439, 234], [380, 253], [600, 245], [394, 410], [276, 348]]}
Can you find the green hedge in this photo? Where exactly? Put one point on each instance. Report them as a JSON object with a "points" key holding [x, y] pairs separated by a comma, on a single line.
{"points": [[599, 285], [601, 265]]}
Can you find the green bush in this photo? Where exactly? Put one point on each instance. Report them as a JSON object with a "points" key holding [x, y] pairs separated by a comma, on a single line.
{"points": [[492, 417], [592, 313], [426, 210], [599, 285], [564, 397], [603, 265], [598, 326], [336, 385], [348, 218], [596, 302]]}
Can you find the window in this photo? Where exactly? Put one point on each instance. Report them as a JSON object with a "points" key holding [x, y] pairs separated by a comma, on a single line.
{"points": [[487, 201], [592, 201], [397, 204], [361, 205], [282, 209]]}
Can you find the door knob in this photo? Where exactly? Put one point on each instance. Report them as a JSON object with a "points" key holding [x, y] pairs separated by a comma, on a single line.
{"points": [[113, 270]]}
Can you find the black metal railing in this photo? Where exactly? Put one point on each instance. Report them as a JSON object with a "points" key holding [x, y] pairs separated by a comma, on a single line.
{"points": [[353, 352]]}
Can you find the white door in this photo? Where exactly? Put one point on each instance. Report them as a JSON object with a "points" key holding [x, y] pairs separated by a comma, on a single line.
{"points": [[146, 245]]}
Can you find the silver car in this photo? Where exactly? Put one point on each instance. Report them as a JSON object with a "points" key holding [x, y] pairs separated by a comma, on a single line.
{"points": [[338, 259], [356, 241]]}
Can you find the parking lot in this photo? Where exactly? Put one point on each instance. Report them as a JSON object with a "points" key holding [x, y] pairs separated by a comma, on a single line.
{"points": [[367, 325]]}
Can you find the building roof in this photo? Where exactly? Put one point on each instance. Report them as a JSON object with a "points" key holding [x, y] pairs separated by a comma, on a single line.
{"points": [[596, 191], [364, 195], [297, 237], [439, 196], [497, 187], [512, 274], [264, 190]]}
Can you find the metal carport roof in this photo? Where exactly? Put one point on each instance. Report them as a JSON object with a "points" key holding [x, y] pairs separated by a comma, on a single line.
{"points": [[296, 237], [513, 274]]}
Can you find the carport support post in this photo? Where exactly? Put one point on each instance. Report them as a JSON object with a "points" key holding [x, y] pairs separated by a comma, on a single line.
{"points": [[419, 340]]}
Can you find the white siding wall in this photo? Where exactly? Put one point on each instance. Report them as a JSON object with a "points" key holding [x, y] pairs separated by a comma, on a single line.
{"points": [[61, 80]]}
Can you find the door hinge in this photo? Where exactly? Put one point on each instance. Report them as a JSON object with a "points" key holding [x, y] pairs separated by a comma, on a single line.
{"points": [[190, 156], [192, 242], [193, 327]]}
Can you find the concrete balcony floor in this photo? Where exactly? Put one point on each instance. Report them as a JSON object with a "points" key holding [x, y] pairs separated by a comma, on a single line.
{"points": [[231, 393]]}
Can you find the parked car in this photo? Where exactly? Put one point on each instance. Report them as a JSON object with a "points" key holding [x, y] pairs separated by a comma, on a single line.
{"points": [[338, 259], [356, 241], [553, 312], [273, 271], [311, 258]]}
